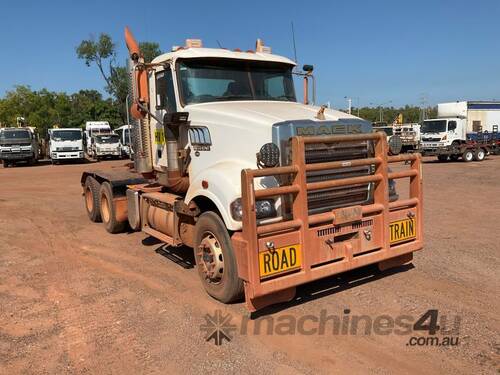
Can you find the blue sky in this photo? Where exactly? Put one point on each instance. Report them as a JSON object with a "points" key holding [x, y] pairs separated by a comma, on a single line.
{"points": [[377, 51]]}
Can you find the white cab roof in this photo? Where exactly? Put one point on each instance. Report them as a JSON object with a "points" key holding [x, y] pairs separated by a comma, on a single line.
{"points": [[191, 53]]}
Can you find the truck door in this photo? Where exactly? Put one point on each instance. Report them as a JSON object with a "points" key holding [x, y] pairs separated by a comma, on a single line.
{"points": [[452, 130], [164, 102]]}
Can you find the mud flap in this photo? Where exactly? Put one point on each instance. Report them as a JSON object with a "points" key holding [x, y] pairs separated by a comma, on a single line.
{"points": [[258, 303], [395, 262]]}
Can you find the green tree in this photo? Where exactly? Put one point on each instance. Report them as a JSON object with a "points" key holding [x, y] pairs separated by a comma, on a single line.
{"points": [[149, 50], [102, 52]]}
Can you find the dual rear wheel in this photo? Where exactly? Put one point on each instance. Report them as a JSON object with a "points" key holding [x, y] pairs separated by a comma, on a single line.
{"points": [[100, 205]]}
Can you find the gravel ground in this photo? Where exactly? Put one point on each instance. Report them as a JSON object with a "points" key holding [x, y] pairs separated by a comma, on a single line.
{"points": [[75, 299]]}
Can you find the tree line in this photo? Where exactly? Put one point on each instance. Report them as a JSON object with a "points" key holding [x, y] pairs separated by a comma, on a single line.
{"points": [[44, 109]]}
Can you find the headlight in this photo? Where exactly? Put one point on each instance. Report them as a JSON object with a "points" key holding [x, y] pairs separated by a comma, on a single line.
{"points": [[264, 209], [268, 156]]}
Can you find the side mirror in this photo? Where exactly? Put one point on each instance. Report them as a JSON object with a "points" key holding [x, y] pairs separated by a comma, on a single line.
{"points": [[308, 68]]}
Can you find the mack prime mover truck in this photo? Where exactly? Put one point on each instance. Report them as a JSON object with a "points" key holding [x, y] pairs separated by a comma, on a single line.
{"points": [[449, 135], [270, 193]]}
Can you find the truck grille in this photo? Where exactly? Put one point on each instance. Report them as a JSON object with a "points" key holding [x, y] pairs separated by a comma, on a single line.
{"points": [[327, 199]]}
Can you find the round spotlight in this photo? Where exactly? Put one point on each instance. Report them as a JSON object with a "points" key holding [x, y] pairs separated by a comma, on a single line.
{"points": [[268, 156]]}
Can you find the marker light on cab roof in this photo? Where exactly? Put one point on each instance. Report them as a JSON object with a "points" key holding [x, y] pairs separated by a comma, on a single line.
{"points": [[260, 47], [194, 43]]}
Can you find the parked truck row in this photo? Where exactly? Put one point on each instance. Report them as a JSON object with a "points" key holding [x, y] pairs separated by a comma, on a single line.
{"points": [[98, 141]]}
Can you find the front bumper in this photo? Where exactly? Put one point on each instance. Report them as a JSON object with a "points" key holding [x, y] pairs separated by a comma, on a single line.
{"points": [[108, 153], [331, 242], [64, 155], [16, 155]]}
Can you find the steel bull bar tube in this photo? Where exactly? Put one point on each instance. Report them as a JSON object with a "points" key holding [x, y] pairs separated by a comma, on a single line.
{"points": [[313, 246]]}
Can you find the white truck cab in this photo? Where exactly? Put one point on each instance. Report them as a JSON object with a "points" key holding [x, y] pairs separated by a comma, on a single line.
{"points": [[65, 144], [94, 128], [19, 145], [105, 146], [443, 132]]}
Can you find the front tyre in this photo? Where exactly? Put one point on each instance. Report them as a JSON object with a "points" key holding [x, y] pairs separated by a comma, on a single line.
{"points": [[215, 259], [442, 158]]}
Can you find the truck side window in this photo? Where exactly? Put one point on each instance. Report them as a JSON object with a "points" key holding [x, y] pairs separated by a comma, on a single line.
{"points": [[452, 125], [165, 94]]}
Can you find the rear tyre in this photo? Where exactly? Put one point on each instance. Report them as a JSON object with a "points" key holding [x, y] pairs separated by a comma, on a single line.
{"points": [[91, 195], [468, 156], [108, 210], [479, 155], [443, 158], [215, 259]]}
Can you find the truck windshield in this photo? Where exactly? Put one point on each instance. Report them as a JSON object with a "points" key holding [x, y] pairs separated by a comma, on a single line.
{"points": [[15, 134], [110, 138], [212, 80], [66, 135], [434, 126]]}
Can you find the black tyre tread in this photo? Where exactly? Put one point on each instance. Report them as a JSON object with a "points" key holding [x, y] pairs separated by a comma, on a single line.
{"points": [[476, 154], [230, 289], [113, 225], [95, 214], [464, 156]]}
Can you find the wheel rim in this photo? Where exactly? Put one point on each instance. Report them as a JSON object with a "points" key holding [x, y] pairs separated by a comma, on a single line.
{"points": [[468, 156], [210, 258], [105, 208], [89, 199], [480, 155]]}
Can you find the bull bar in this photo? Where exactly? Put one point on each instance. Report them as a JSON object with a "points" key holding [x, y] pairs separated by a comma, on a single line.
{"points": [[331, 242]]}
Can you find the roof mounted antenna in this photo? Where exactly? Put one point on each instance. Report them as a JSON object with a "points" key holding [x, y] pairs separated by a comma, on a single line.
{"points": [[294, 47], [220, 45]]}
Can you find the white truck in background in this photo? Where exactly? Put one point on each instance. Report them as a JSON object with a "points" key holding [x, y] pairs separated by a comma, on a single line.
{"points": [[125, 140], [105, 146], [410, 136], [93, 128], [447, 135], [65, 144], [19, 145]]}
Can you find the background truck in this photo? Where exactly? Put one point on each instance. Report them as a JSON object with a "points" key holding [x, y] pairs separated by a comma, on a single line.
{"points": [[94, 128], [18, 145], [268, 192], [447, 135], [409, 135], [105, 146], [124, 132], [65, 144], [393, 140]]}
